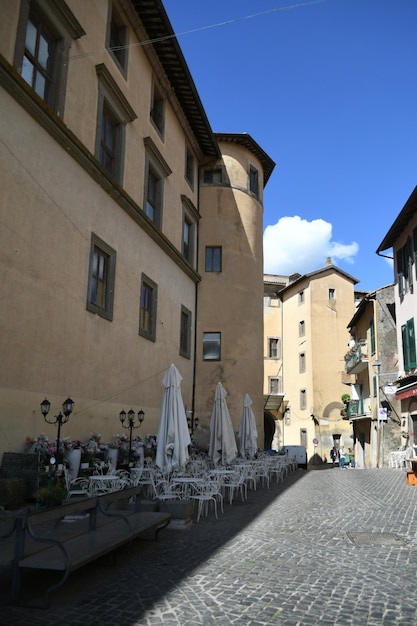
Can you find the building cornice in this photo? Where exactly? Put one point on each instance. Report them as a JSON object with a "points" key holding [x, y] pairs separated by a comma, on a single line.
{"points": [[400, 224], [161, 38], [245, 140]]}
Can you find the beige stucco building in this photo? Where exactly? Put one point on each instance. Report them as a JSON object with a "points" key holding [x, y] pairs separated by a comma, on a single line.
{"points": [[229, 314], [372, 361], [115, 199], [305, 337], [400, 244]]}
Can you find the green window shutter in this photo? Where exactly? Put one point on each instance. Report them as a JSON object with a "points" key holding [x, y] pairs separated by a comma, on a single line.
{"points": [[372, 335], [411, 344]]}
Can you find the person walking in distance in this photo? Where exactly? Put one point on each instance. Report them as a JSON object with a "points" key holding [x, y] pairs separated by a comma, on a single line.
{"points": [[342, 458], [333, 455]]}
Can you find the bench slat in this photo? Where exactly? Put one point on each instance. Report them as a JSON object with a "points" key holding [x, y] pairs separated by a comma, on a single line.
{"points": [[112, 521], [87, 547]]}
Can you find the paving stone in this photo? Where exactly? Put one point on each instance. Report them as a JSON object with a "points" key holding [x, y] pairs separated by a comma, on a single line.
{"points": [[284, 557]]}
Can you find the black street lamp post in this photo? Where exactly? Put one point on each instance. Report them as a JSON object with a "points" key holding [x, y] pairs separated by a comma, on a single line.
{"points": [[60, 419], [130, 424], [192, 421]]}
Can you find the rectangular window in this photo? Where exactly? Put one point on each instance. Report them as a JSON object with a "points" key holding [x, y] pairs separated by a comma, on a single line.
{"points": [[38, 60], [213, 176], [405, 259], [301, 297], [108, 141], [117, 40], [148, 302], [158, 109], [154, 196], [274, 348], [274, 385], [101, 278], [188, 237], [114, 112], [156, 170], [213, 259], [303, 399], [301, 329], [332, 293], [302, 362], [253, 181], [211, 346], [189, 167], [185, 333], [43, 41], [409, 344], [415, 251], [303, 437]]}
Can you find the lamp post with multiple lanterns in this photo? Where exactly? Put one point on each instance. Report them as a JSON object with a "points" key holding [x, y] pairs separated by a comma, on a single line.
{"points": [[131, 424], [60, 419]]}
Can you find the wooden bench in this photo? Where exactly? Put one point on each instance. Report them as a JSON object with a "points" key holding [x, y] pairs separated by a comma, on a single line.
{"points": [[99, 525]]}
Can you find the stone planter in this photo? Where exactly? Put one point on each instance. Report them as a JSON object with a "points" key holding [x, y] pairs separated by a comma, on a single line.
{"points": [[112, 456], [181, 512], [74, 459]]}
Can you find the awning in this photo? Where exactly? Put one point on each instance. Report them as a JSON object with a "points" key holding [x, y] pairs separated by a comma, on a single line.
{"points": [[272, 402], [408, 391]]}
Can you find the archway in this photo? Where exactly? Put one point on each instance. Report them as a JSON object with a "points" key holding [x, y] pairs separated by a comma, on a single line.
{"points": [[269, 430]]}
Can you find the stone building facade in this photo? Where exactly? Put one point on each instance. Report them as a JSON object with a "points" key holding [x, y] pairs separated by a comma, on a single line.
{"points": [[110, 202], [310, 324], [400, 243]]}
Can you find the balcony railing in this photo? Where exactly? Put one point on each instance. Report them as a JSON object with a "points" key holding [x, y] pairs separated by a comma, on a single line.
{"points": [[359, 408], [356, 360]]}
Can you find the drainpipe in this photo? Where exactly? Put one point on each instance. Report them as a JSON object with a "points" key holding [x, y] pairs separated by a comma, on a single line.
{"points": [[197, 250]]}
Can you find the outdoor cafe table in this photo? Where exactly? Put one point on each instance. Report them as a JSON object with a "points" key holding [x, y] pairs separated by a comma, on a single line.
{"points": [[104, 483], [188, 484], [222, 473]]}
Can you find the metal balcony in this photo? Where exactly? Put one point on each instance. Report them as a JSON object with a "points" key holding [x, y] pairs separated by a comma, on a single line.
{"points": [[356, 360], [359, 408]]}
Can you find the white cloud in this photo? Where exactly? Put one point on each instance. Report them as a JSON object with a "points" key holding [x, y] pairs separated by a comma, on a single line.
{"points": [[296, 245]]}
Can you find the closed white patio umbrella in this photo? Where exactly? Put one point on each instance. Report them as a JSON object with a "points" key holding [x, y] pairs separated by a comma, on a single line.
{"points": [[222, 447], [173, 436], [248, 433]]}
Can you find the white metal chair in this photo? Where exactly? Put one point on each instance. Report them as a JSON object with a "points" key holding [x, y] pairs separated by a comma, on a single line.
{"points": [[75, 487], [205, 493], [234, 483]]}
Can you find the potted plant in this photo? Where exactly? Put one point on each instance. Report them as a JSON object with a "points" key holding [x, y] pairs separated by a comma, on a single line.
{"points": [[51, 495], [150, 446]]}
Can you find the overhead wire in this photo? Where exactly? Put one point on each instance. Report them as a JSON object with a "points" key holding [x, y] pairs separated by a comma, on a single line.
{"points": [[147, 42]]}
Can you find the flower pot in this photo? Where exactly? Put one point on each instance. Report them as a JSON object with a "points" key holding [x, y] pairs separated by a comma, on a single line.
{"points": [[74, 459]]}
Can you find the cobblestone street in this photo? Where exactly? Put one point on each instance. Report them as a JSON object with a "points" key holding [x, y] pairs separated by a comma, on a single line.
{"points": [[326, 547]]}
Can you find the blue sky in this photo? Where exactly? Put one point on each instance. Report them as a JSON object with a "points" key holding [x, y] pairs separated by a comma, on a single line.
{"points": [[328, 89]]}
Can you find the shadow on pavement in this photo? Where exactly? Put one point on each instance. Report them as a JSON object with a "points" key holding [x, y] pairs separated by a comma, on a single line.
{"points": [[145, 571]]}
